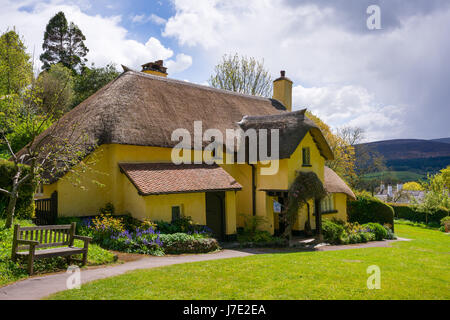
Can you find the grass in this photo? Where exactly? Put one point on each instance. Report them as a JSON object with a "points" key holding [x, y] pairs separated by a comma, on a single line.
{"points": [[418, 269], [11, 272]]}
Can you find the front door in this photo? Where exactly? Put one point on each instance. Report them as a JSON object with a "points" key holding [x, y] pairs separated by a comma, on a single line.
{"points": [[215, 213]]}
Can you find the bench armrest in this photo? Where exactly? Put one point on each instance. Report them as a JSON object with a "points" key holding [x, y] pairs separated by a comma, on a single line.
{"points": [[83, 238], [28, 242]]}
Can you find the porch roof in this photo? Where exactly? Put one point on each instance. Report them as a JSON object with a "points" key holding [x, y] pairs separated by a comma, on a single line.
{"points": [[168, 178]]}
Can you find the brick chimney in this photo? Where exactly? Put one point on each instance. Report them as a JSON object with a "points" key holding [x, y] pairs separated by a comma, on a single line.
{"points": [[282, 90], [156, 68]]}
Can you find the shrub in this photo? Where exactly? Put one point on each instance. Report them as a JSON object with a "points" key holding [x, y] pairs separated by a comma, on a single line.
{"points": [[367, 209], [105, 226], [141, 241], [376, 228], [25, 202], [183, 224], [407, 212], [332, 232], [184, 243]]}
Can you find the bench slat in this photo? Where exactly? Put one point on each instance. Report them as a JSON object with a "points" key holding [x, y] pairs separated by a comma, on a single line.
{"points": [[54, 252], [58, 227]]}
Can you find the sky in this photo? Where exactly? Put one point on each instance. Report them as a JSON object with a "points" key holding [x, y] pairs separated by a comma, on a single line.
{"points": [[392, 81]]}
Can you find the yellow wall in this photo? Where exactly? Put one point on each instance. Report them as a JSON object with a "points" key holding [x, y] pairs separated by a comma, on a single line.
{"points": [[340, 204]]}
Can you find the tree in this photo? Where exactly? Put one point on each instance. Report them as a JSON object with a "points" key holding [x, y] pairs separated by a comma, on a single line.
{"points": [[91, 80], [344, 153], [63, 43], [57, 153], [243, 75], [55, 89], [412, 186], [15, 66]]}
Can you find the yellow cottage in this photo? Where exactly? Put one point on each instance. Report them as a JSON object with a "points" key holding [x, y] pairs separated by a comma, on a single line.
{"points": [[129, 126]]}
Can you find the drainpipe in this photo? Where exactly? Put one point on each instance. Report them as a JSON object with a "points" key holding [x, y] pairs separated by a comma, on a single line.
{"points": [[253, 189]]}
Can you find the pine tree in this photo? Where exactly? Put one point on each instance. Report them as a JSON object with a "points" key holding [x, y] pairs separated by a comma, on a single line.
{"points": [[63, 43]]}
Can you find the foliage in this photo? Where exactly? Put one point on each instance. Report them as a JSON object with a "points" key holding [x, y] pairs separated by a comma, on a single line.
{"points": [[56, 89], [413, 186], [105, 226], [243, 75], [187, 243], [182, 224], [15, 67], [437, 193], [412, 213], [25, 202], [252, 235], [63, 43], [306, 186], [340, 232], [367, 209], [140, 241], [12, 271], [91, 80], [445, 220]]}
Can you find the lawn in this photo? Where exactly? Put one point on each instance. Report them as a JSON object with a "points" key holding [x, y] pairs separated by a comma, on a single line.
{"points": [[418, 269], [10, 271]]}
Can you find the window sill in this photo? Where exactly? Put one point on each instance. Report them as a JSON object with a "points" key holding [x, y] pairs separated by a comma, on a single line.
{"points": [[307, 165], [330, 212]]}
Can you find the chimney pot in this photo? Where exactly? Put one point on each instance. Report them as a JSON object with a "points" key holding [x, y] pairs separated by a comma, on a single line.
{"points": [[283, 73]]}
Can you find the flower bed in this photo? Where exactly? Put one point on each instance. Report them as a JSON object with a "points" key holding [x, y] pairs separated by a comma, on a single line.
{"points": [[339, 232], [125, 234]]}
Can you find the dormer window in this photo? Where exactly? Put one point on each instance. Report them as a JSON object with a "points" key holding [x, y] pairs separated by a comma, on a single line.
{"points": [[306, 157]]}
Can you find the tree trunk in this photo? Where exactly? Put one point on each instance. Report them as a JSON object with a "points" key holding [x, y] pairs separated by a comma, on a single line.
{"points": [[11, 209]]}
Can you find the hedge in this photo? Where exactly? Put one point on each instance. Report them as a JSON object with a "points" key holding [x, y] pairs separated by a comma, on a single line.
{"points": [[177, 243], [25, 202], [366, 209], [404, 211]]}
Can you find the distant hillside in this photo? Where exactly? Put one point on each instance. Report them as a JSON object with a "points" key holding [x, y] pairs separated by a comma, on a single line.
{"points": [[444, 140], [413, 155]]}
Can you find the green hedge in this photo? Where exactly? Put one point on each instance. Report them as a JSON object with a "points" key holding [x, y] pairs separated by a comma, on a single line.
{"points": [[177, 243], [403, 211], [25, 203], [367, 209]]}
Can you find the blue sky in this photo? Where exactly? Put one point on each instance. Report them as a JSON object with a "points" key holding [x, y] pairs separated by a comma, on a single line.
{"points": [[386, 81]]}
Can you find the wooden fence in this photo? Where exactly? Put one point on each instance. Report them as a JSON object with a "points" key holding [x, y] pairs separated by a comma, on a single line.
{"points": [[46, 210]]}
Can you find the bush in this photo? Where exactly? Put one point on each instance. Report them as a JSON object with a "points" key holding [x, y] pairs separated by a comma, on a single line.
{"points": [[182, 225], [25, 202], [402, 211], [333, 232], [376, 228], [367, 209], [184, 243]]}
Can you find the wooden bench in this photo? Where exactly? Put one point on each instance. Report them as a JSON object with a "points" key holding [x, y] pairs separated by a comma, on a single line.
{"points": [[60, 236]]}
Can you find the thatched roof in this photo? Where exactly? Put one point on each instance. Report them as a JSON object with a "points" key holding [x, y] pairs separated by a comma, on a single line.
{"points": [[167, 178], [293, 126], [143, 110], [334, 184]]}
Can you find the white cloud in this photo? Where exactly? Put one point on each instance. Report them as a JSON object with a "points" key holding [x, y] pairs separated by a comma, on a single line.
{"points": [[142, 18], [106, 39], [399, 66], [181, 63], [350, 106]]}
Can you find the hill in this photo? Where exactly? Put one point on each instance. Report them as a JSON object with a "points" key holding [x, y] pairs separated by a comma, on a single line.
{"points": [[412, 155]]}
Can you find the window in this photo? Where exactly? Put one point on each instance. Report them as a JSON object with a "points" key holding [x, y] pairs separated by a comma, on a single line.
{"points": [[176, 212], [306, 156], [327, 204]]}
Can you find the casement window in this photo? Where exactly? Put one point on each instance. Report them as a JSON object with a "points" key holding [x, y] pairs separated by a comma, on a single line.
{"points": [[306, 157], [327, 204], [176, 213]]}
